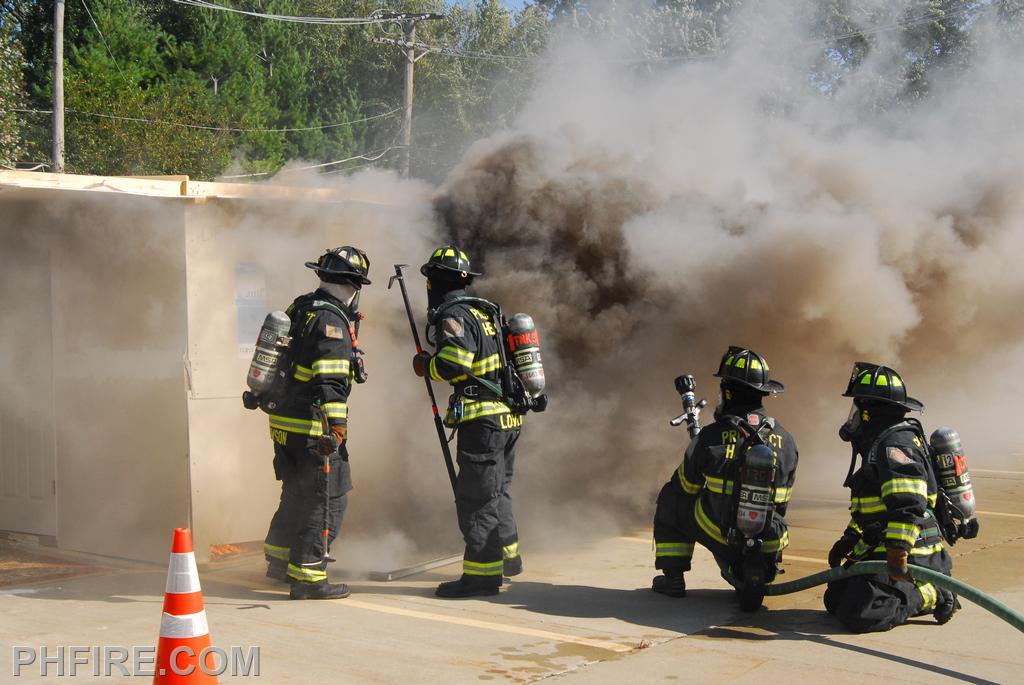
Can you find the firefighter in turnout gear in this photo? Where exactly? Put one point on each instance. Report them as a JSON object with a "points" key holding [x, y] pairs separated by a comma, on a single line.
{"points": [[892, 495], [467, 335], [701, 500], [325, 362]]}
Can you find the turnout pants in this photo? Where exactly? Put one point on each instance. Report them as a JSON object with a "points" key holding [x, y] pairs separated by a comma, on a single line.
{"points": [[867, 604], [296, 530], [680, 522], [483, 500]]}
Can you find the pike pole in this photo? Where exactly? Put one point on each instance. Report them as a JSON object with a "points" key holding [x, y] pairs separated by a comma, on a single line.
{"points": [[426, 377]]}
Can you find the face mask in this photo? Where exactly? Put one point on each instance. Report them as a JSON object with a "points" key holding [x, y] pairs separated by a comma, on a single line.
{"points": [[340, 291], [854, 423]]}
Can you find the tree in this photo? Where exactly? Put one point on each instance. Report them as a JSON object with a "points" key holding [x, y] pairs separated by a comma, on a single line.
{"points": [[12, 93]]}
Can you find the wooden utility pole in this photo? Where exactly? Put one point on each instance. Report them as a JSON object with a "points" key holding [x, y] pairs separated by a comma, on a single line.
{"points": [[409, 50], [58, 87], [409, 29]]}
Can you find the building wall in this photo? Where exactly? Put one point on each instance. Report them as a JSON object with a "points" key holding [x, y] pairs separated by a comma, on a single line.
{"points": [[117, 334]]}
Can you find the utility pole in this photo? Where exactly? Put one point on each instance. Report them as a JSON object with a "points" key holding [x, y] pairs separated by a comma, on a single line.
{"points": [[409, 49], [58, 87]]}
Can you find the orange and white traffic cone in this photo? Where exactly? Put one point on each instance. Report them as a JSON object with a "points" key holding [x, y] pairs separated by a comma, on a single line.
{"points": [[184, 633]]}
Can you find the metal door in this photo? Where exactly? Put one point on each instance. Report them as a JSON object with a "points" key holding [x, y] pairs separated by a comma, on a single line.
{"points": [[28, 486]]}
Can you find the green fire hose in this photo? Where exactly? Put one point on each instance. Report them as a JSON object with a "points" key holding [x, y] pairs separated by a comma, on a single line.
{"points": [[962, 589]]}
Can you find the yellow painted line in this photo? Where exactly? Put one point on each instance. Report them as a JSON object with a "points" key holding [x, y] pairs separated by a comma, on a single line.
{"points": [[457, 620], [787, 557], [487, 625], [999, 513]]}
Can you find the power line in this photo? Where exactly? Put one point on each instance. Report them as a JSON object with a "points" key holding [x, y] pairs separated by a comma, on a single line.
{"points": [[102, 38], [367, 156], [223, 129], [320, 21]]}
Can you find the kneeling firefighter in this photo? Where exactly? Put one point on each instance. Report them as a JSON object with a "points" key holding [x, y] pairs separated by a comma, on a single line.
{"points": [[305, 363], [731, 490], [473, 346], [892, 498]]}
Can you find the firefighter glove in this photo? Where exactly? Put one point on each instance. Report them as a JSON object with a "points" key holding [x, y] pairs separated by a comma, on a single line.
{"points": [[896, 560], [420, 363], [842, 548], [328, 444]]}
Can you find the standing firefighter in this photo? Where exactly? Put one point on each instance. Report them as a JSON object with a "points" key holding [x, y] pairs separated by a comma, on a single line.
{"points": [[731, 491], [321, 362], [470, 348], [892, 496]]}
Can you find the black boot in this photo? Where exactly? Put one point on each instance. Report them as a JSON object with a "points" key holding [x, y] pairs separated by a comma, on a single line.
{"points": [[947, 605], [277, 569], [513, 566], [751, 597], [671, 584], [318, 590], [469, 586]]}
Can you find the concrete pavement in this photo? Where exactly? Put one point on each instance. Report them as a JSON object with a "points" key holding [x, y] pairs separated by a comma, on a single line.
{"points": [[580, 616]]}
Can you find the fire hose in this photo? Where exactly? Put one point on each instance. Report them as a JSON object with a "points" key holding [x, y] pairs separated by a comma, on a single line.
{"points": [[960, 588]]}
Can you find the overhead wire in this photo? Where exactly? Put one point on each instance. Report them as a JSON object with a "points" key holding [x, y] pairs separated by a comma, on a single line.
{"points": [[366, 156], [318, 21], [104, 40], [202, 127]]}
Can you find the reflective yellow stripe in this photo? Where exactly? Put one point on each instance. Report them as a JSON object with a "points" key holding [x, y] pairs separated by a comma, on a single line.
{"points": [[866, 505], [932, 499], [926, 550], [456, 356], [474, 568], [782, 543], [435, 375], [913, 486], [688, 487], [782, 495], [673, 549], [292, 425], [276, 552], [719, 486], [309, 575], [486, 365], [928, 594], [331, 367], [509, 551], [335, 410], [303, 374], [707, 525], [907, 532], [476, 410]]}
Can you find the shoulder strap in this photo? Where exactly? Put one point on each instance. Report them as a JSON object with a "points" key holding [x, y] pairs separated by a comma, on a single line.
{"points": [[911, 424]]}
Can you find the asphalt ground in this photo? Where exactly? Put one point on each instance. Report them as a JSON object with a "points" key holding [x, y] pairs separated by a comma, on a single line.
{"points": [[581, 615]]}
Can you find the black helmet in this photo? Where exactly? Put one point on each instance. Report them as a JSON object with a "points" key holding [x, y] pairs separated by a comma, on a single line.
{"points": [[748, 368], [875, 382], [346, 261], [449, 258]]}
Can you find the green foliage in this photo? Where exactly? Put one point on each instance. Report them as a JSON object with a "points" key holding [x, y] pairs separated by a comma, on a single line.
{"points": [[188, 90], [12, 96]]}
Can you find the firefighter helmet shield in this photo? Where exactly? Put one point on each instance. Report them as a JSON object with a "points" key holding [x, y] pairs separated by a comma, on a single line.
{"points": [[346, 261], [748, 368], [449, 258], [876, 382]]}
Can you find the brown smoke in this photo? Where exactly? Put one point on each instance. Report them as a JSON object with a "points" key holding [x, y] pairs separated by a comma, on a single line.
{"points": [[647, 222]]}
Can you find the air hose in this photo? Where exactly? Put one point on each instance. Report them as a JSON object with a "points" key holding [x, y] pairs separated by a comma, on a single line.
{"points": [[962, 589]]}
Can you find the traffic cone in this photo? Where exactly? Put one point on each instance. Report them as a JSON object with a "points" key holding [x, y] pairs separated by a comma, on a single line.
{"points": [[183, 625]]}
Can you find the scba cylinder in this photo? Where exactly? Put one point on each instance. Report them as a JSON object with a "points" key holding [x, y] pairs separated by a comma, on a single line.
{"points": [[270, 344], [524, 348], [951, 470], [755, 499]]}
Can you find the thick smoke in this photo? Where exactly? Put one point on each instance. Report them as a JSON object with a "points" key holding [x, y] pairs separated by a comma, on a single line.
{"points": [[648, 220]]}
